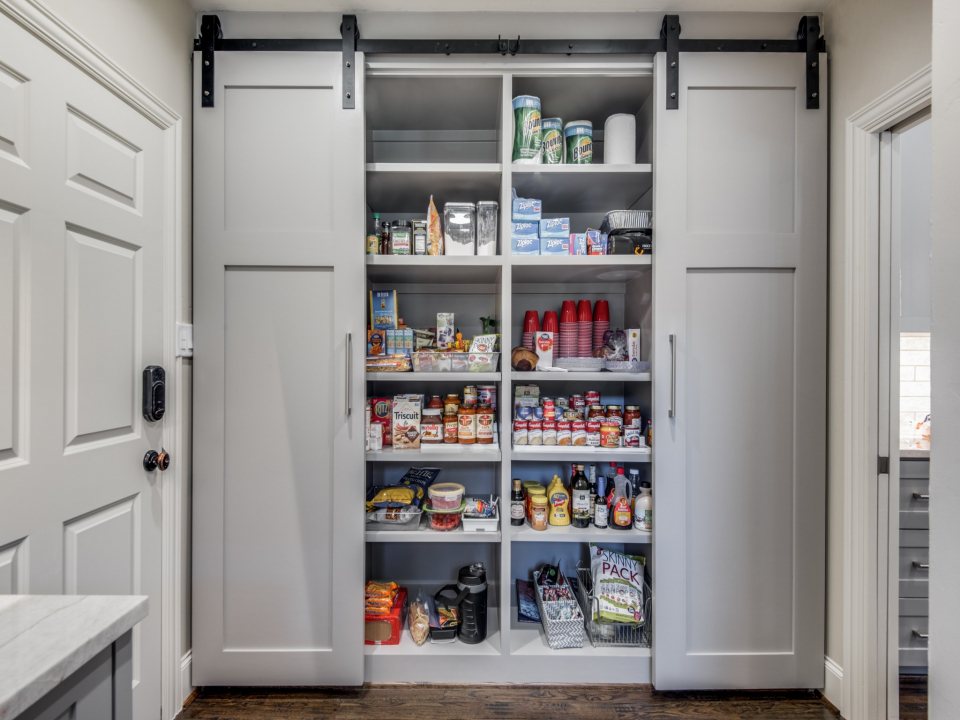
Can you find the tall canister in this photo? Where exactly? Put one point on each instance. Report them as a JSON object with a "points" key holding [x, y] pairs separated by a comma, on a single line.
{"points": [[488, 222], [472, 587], [527, 130], [578, 137]]}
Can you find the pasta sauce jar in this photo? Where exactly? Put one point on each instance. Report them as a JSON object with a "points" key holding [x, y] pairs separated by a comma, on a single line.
{"points": [[485, 420], [467, 426]]}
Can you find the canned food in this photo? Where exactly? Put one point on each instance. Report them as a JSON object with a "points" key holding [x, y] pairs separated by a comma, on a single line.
{"points": [[631, 437], [524, 412], [572, 415], [520, 432], [564, 436], [470, 396], [487, 395], [535, 432], [593, 433], [549, 432], [537, 413], [592, 397], [577, 402], [578, 433]]}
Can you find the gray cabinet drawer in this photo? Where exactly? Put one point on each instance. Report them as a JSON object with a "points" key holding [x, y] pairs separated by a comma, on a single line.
{"points": [[914, 520], [914, 588], [909, 559], [908, 488], [914, 538], [913, 657], [915, 469], [914, 606]]}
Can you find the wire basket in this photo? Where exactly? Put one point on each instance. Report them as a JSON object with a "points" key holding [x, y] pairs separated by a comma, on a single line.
{"points": [[561, 634], [609, 634]]}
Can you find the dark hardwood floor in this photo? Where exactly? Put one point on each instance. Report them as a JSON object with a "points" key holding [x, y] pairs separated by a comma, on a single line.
{"points": [[913, 697], [493, 702]]}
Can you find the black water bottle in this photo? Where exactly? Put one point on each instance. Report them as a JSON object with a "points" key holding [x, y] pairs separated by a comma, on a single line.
{"points": [[472, 587]]}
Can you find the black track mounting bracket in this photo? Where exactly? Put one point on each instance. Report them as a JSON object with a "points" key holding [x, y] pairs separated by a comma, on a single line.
{"points": [[210, 34], [670, 34], [809, 33], [349, 33]]}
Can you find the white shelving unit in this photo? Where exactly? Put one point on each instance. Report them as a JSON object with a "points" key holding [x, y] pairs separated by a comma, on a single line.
{"points": [[469, 158]]}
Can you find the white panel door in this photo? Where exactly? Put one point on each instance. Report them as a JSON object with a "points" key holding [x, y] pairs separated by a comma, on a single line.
{"points": [[81, 283], [740, 385], [278, 362]]}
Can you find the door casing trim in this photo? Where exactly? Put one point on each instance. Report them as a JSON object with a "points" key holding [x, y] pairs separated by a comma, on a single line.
{"points": [[42, 23]]}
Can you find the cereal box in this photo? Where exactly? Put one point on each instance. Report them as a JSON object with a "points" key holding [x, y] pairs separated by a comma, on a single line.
{"points": [[406, 422], [383, 309], [381, 413]]}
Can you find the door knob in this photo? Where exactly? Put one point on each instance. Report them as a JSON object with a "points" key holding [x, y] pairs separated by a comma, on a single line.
{"points": [[154, 460]]}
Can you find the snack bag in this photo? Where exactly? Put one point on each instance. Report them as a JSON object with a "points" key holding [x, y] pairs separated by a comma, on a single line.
{"points": [[418, 619], [617, 586]]}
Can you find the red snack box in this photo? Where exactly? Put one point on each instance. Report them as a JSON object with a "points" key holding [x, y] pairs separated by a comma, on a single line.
{"points": [[381, 413], [386, 629]]}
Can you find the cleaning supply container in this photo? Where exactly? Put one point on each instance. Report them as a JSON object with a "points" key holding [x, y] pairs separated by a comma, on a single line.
{"points": [[578, 139], [527, 130]]}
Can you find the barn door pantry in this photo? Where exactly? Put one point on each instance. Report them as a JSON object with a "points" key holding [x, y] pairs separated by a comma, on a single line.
{"points": [[740, 386], [278, 398]]}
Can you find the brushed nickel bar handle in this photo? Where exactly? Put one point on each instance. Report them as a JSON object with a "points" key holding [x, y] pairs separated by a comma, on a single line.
{"points": [[672, 412], [349, 371]]}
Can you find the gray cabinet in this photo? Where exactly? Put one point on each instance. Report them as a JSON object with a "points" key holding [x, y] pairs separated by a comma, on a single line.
{"points": [[278, 391], [914, 574], [740, 263]]}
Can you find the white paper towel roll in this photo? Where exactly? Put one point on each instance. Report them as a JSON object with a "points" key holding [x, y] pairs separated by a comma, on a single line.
{"points": [[620, 140]]}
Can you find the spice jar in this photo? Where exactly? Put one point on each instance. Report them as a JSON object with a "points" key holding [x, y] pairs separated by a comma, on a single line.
{"points": [[435, 402], [609, 434], [467, 425], [451, 404], [451, 429], [538, 512], [431, 427], [485, 420]]}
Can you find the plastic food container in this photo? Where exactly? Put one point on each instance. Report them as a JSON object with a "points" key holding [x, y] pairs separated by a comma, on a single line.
{"points": [[459, 228], [455, 361], [444, 520], [445, 496], [488, 212]]}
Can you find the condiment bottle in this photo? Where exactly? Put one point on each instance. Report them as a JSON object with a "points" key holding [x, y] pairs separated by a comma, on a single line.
{"points": [[559, 499], [451, 429], [621, 515], [451, 404], [431, 428], [643, 514], [538, 512], [516, 503], [435, 402], [467, 425], [373, 239]]}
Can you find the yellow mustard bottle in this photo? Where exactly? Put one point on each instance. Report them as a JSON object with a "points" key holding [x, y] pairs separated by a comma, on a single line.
{"points": [[559, 500]]}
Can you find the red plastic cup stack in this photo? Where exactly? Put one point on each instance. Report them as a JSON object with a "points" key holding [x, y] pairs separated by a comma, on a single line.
{"points": [[566, 344], [531, 324], [601, 321], [584, 329]]}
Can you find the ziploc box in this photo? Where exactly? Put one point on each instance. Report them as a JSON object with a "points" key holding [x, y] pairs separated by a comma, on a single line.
{"points": [[446, 330], [554, 246], [578, 243], [525, 209], [555, 228], [406, 422], [383, 309], [524, 239]]}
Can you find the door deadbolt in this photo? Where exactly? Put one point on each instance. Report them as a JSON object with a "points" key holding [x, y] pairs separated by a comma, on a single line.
{"points": [[154, 460]]}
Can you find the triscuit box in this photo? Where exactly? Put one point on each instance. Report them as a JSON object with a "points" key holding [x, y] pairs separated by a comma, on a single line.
{"points": [[446, 330], [406, 422], [554, 246], [383, 309]]}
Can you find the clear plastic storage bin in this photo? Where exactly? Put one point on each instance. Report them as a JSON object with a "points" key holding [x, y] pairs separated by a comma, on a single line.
{"points": [[455, 362]]}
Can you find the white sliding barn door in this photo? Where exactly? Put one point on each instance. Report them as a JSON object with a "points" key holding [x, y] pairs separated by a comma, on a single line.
{"points": [[82, 183], [740, 392], [278, 386]]}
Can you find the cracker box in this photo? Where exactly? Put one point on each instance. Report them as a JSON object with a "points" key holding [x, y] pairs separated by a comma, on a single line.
{"points": [[383, 309], [386, 629], [633, 344], [406, 422], [446, 330], [381, 413]]}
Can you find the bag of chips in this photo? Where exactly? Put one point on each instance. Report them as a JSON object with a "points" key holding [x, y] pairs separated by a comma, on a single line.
{"points": [[617, 586]]}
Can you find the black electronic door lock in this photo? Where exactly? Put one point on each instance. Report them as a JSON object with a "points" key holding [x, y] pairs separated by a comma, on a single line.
{"points": [[154, 393]]}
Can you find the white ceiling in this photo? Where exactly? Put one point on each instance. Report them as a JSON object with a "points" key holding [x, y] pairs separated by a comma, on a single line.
{"points": [[595, 6]]}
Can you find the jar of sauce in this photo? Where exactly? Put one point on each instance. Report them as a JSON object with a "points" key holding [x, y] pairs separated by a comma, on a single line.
{"points": [[595, 412], [431, 428], [467, 425], [451, 404], [615, 414], [485, 420], [435, 402], [631, 416], [538, 512], [451, 429], [609, 434]]}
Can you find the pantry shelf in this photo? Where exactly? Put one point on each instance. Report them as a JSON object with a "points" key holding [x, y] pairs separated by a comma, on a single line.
{"points": [[615, 377], [436, 270], [441, 453], [432, 536], [491, 646], [585, 188], [528, 639], [569, 533], [406, 187], [452, 377], [578, 268], [568, 453]]}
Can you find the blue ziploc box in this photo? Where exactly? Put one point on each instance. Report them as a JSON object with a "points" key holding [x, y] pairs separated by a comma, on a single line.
{"points": [[525, 245], [554, 246], [555, 228], [578, 243], [525, 209]]}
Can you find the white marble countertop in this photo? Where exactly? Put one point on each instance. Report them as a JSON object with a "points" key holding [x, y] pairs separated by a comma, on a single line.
{"points": [[46, 638]]}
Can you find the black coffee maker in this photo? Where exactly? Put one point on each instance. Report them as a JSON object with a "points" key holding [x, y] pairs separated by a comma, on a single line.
{"points": [[470, 596]]}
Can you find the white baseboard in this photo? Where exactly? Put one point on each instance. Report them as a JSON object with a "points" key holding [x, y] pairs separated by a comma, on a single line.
{"points": [[833, 683], [186, 684]]}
